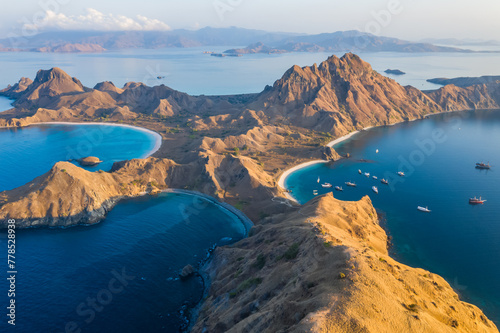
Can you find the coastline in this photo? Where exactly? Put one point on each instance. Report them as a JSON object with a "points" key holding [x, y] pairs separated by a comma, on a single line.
{"points": [[157, 136], [245, 221], [288, 172]]}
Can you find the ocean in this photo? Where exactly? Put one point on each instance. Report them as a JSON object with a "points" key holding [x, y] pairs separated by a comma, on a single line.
{"points": [[191, 71], [438, 155]]}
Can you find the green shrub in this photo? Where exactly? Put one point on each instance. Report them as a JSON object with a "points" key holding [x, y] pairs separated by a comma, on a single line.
{"points": [[260, 262], [292, 252]]}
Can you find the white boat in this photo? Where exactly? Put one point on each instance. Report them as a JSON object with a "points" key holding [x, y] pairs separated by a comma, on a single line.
{"points": [[383, 181], [375, 177], [318, 180], [401, 173], [315, 192], [338, 188], [327, 185], [359, 171], [423, 209], [351, 184], [376, 151], [375, 189], [367, 174]]}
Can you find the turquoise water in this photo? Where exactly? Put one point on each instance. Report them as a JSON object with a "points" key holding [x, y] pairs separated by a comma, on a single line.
{"points": [[438, 155], [5, 103], [191, 71], [27, 153], [147, 240]]}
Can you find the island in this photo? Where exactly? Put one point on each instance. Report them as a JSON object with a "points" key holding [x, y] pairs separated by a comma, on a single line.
{"points": [[394, 72], [321, 266], [89, 161], [466, 81]]}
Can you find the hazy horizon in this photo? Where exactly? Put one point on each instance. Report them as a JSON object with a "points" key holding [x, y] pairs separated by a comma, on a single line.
{"points": [[392, 18]]}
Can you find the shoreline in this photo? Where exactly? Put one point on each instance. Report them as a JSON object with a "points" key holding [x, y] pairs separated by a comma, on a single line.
{"points": [[288, 172], [156, 135], [242, 218]]}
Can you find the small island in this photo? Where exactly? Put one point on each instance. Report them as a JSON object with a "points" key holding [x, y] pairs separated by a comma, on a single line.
{"points": [[89, 161], [394, 72]]}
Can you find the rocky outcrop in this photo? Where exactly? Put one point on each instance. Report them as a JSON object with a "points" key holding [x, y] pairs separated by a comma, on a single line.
{"points": [[68, 195], [89, 161], [326, 269], [453, 98]]}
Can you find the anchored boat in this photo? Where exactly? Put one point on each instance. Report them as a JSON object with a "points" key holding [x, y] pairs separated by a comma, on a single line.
{"points": [[327, 185], [351, 184], [338, 188], [476, 201], [423, 209], [401, 173], [383, 181], [375, 189], [483, 166]]}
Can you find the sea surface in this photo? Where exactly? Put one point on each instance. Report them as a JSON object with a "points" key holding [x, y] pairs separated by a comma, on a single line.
{"points": [[190, 70], [130, 262], [459, 241], [26, 153], [5, 103]]}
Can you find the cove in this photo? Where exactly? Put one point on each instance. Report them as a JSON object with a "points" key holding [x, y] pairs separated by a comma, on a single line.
{"points": [[120, 275], [128, 265], [29, 152], [456, 240]]}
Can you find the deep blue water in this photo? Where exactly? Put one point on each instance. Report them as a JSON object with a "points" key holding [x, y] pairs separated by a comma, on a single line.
{"points": [[147, 239], [456, 240], [29, 152]]}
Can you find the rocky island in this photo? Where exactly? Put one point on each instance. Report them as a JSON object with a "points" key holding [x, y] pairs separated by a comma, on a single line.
{"points": [[323, 266], [394, 72], [89, 161]]}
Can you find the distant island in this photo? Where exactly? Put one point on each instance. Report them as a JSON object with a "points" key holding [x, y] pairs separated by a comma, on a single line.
{"points": [[394, 72], [342, 41], [466, 81]]}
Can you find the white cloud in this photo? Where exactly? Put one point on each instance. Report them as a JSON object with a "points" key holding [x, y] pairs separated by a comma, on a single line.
{"points": [[94, 20]]}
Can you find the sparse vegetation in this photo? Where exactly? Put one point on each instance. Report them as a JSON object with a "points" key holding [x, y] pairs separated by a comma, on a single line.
{"points": [[292, 252], [260, 262]]}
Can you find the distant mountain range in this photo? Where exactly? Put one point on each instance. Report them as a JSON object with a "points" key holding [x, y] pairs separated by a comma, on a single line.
{"points": [[259, 41], [66, 41], [343, 41]]}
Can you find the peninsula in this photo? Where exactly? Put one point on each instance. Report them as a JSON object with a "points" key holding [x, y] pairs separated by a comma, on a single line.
{"points": [[334, 270]]}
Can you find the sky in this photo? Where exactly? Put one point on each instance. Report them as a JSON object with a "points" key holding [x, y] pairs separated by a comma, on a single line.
{"points": [[405, 19]]}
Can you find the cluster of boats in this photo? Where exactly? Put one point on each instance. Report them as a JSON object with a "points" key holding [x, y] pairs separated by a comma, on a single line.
{"points": [[472, 201]]}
